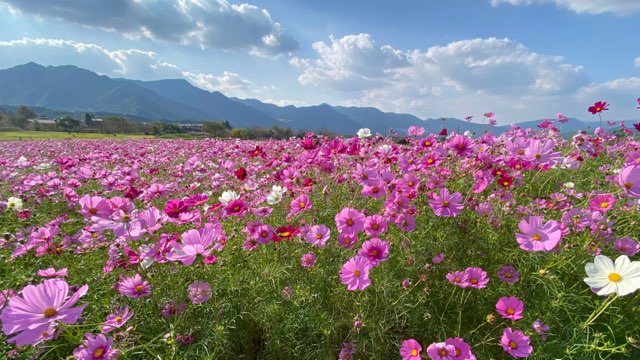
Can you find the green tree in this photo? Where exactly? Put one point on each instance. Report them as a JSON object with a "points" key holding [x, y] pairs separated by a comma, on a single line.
{"points": [[88, 119], [68, 123], [25, 113], [117, 124], [215, 128], [240, 134]]}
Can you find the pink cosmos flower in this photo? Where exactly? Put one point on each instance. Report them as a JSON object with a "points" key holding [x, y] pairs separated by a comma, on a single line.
{"points": [[441, 351], [410, 350], [461, 348], [598, 107], [375, 250], [508, 274], [94, 206], [355, 273], [538, 236], [445, 204], [350, 221], [375, 225], [415, 131], [562, 119], [516, 343], [626, 246], [194, 242], [347, 240], [134, 287], [175, 207], [461, 145], [51, 272], [458, 278], [477, 277], [264, 234], [300, 204], [629, 180], [38, 308], [540, 328], [96, 347], [116, 320], [199, 292], [308, 260], [510, 307], [602, 203]]}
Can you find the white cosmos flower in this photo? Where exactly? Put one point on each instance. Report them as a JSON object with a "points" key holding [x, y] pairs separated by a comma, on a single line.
{"points": [[228, 196], [364, 132], [14, 204], [621, 278], [276, 195]]}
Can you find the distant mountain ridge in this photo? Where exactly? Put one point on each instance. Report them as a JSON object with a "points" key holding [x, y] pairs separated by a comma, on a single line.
{"points": [[70, 88]]}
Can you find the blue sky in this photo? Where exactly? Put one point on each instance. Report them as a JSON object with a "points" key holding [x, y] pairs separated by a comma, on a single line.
{"points": [[522, 59]]}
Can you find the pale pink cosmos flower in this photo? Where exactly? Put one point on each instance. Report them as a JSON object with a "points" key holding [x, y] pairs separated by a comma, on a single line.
{"points": [[410, 350], [199, 292], [318, 235], [477, 277], [134, 287], [38, 308], [629, 180], [458, 278], [441, 351], [538, 236], [116, 320], [308, 260], [194, 242], [51, 272], [375, 225], [300, 204]]}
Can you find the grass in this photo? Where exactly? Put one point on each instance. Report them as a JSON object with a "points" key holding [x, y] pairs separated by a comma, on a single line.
{"points": [[55, 135]]}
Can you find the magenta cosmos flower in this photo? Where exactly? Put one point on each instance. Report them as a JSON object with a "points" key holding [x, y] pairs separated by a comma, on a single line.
{"points": [[458, 278], [446, 204], [194, 242], [134, 287], [52, 273], [355, 273], [461, 145], [410, 350], [602, 203], [38, 308], [508, 274], [629, 180], [510, 307], [538, 236], [96, 348], [350, 221], [516, 343], [116, 320], [375, 250], [300, 204]]}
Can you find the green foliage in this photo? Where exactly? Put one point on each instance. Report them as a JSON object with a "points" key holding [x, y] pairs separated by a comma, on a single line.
{"points": [[68, 123]]}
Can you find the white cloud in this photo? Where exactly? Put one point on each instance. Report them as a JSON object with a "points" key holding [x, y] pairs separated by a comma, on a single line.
{"points": [[637, 61], [463, 77], [130, 63], [208, 24], [621, 94], [618, 7]]}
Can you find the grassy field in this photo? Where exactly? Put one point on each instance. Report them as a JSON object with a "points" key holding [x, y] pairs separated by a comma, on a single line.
{"points": [[54, 135]]}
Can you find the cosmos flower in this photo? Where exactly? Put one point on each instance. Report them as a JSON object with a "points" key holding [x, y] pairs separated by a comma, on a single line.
{"points": [[445, 204], [441, 351], [308, 259], [410, 350], [598, 107], [375, 250], [629, 180], [116, 320], [510, 307], [537, 236], [602, 203], [355, 273], [199, 292], [39, 307], [476, 277], [134, 287], [14, 203], [96, 347], [516, 343], [621, 278], [350, 221], [508, 274], [363, 133]]}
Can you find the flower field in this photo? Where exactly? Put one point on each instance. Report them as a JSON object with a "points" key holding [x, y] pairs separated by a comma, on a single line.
{"points": [[432, 247]]}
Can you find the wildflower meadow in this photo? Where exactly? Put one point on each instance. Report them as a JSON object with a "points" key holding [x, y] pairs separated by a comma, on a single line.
{"points": [[450, 246]]}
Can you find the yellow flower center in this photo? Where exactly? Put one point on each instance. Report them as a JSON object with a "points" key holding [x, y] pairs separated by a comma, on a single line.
{"points": [[375, 226], [442, 352], [286, 234], [118, 318], [318, 236], [510, 311], [98, 352], [474, 281], [139, 289], [50, 312], [93, 211], [429, 161], [604, 205], [349, 222], [427, 143], [445, 203], [513, 344], [614, 277], [538, 156], [414, 352], [536, 237], [628, 185], [302, 205], [356, 273], [373, 252], [520, 152]]}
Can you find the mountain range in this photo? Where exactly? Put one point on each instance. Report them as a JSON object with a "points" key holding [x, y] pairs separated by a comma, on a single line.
{"points": [[73, 89]]}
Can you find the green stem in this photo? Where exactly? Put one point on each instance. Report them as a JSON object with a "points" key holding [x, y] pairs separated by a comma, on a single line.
{"points": [[594, 315]]}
